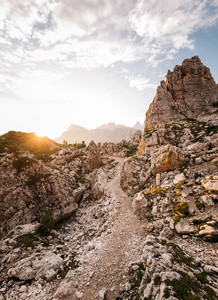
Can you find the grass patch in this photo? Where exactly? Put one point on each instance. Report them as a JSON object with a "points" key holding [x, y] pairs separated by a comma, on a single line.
{"points": [[182, 208], [79, 177], [45, 243], [210, 294], [73, 264], [201, 222], [157, 280], [178, 185], [182, 289], [166, 293], [176, 219], [131, 152], [136, 281], [180, 255], [27, 240], [156, 191]]}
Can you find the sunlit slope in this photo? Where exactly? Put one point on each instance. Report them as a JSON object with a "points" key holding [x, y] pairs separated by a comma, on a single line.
{"points": [[21, 141]]}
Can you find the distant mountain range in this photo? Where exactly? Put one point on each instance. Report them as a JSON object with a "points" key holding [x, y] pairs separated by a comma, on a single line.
{"points": [[105, 133]]}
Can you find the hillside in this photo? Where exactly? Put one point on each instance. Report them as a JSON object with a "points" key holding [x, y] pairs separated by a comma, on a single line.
{"points": [[134, 220], [105, 133]]}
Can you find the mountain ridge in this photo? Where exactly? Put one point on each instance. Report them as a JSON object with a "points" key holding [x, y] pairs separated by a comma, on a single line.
{"points": [[105, 133]]}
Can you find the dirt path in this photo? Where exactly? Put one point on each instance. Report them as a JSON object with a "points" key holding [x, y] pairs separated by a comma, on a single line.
{"points": [[120, 248]]}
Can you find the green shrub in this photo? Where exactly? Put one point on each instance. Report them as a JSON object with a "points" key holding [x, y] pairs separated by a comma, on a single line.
{"points": [[35, 178], [20, 163], [46, 224], [131, 152], [202, 277]]}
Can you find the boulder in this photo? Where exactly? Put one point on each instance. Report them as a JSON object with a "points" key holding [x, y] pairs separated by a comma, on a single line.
{"points": [[211, 184], [34, 268], [98, 184], [135, 140], [94, 157], [134, 174], [179, 178], [207, 230], [166, 158], [183, 227], [141, 206]]}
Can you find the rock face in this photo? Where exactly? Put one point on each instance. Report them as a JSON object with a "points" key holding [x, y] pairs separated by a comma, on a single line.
{"points": [[35, 180], [188, 92], [37, 188], [30, 267], [167, 158], [94, 157]]}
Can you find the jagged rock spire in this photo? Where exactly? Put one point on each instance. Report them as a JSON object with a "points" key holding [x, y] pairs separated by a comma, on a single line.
{"points": [[188, 92]]}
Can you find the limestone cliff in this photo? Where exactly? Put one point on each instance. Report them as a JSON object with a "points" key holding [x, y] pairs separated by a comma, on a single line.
{"points": [[188, 92]]}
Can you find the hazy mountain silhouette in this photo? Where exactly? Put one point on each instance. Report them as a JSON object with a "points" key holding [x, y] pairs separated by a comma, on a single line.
{"points": [[105, 133]]}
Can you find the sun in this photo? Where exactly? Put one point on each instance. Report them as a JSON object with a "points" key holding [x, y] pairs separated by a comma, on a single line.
{"points": [[39, 135]]}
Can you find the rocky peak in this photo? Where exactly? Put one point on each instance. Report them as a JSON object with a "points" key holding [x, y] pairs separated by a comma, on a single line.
{"points": [[188, 92], [110, 125], [138, 126]]}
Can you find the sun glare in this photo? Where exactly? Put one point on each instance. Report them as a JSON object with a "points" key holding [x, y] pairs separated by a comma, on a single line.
{"points": [[39, 135]]}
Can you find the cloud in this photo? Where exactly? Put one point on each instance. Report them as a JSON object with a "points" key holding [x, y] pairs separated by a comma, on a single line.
{"points": [[170, 23], [91, 34], [139, 82]]}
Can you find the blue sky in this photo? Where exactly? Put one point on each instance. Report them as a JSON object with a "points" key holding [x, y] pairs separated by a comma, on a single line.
{"points": [[91, 62]]}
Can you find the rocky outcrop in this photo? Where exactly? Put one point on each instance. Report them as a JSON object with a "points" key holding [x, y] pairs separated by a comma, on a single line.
{"points": [[166, 158], [188, 92], [94, 157], [135, 140], [31, 267], [29, 188], [169, 272], [135, 173], [39, 175]]}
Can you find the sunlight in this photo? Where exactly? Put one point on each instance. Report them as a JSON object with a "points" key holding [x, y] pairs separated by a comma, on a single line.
{"points": [[39, 135]]}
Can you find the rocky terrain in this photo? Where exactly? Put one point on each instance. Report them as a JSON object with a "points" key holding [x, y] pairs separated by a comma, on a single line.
{"points": [[105, 133], [136, 219]]}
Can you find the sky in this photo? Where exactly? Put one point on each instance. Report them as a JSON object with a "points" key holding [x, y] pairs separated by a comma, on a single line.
{"points": [[90, 62]]}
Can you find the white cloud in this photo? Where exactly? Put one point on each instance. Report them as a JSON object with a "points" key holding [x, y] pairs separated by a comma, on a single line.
{"points": [[139, 82], [91, 34], [170, 23]]}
